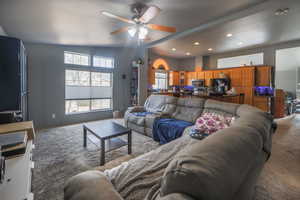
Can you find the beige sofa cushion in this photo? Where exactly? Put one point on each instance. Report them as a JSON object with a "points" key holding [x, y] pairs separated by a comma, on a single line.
{"points": [[223, 108], [205, 172], [90, 185], [138, 120], [160, 103], [149, 120], [188, 109]]}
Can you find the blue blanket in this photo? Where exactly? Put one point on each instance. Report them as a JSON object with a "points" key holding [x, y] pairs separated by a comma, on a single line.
{"points": [[141, 114], [165, 130]]}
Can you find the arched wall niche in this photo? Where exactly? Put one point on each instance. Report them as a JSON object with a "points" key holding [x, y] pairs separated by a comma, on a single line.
{"points": [[161, 64]]}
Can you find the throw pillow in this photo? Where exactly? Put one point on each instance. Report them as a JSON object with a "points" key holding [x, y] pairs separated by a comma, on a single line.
{"points": [[211, 122]]}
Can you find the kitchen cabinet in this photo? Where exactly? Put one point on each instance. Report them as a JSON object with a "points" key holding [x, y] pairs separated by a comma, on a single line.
{"points": [[236, 77], [263, 76], [200, 75], [190, 77], [173, 78], [151, 75], [262, 103], [207, 76], [279, 103], [248, 77], [182, 78]]}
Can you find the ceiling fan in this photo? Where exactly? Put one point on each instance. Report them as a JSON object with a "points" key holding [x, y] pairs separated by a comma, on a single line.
{"points": [[143, 14]]}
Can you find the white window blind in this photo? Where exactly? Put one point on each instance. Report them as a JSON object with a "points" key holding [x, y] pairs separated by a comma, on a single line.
{"points": [[105, 62], [86, 91], [161, 80]]}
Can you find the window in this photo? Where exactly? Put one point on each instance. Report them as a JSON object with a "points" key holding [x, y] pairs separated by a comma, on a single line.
{"points": [[73, 106], [77, 58], [79, 78], [161, 80], [101, 79], [87, 91], [98, 104], [103, 62], [238, 61]]}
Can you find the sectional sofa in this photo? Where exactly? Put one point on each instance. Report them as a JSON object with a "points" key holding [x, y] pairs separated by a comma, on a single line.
{"points": [[223, 166]]}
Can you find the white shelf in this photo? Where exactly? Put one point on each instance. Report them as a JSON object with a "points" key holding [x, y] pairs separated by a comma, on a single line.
{"points": [[17, 183]]}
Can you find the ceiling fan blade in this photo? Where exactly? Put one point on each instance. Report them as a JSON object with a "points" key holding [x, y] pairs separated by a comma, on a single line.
{"points": [[120, 30], [147, 38], [108, 14], [162, 28], [149, 14]]}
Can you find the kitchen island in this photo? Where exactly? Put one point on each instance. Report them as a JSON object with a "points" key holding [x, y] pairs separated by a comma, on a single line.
{"points": [[230, 98]]}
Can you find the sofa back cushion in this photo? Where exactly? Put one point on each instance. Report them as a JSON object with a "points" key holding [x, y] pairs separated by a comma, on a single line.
{"points": [[222, 108], [188, 109], [216, 166], [160, 103]]}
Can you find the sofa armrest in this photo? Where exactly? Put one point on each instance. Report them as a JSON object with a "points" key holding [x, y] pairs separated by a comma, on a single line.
{"points": [[136, 109], [90, 185]]}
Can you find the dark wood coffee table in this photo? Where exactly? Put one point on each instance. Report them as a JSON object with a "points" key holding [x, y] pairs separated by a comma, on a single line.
{"points": [[107, 132]]}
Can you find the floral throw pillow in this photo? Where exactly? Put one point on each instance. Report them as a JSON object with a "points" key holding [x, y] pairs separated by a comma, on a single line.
{"points": [[209, 123]]}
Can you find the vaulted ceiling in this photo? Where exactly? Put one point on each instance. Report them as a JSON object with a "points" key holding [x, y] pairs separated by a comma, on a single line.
{"points": [[259, 27], [79, 22]]}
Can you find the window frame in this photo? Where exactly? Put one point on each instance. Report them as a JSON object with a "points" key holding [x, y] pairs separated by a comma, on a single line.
{"points": [[90, 106], [91, 69], [104, 57]]}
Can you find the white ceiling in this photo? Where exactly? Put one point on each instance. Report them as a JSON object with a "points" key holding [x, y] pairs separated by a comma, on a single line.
{"points": [[261, 28], [79, 22]]}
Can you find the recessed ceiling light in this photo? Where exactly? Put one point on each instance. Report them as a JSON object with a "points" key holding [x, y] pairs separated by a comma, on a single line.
{"points": [[173, 49], [196, 43], [229, 35], [240, 43], [188, 53], [210, 49]]}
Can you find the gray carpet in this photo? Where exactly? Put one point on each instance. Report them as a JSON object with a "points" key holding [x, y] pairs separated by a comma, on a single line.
{"points": [[59, 154]]}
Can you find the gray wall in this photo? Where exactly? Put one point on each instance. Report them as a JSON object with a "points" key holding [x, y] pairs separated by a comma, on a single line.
{"points": [[143, 75], [210, 62], [46, 74], [172, 62], [199, 61], [186, 64], [287, 64], [176, 64]]}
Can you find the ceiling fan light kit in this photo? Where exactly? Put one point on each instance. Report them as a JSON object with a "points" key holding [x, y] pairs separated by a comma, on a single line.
{"points": [[132, 31], [143, 14], [143, 32], [140, 30]]}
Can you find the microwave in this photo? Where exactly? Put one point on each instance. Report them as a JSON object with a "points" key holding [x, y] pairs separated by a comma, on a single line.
{"points": [[198, 83]]}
